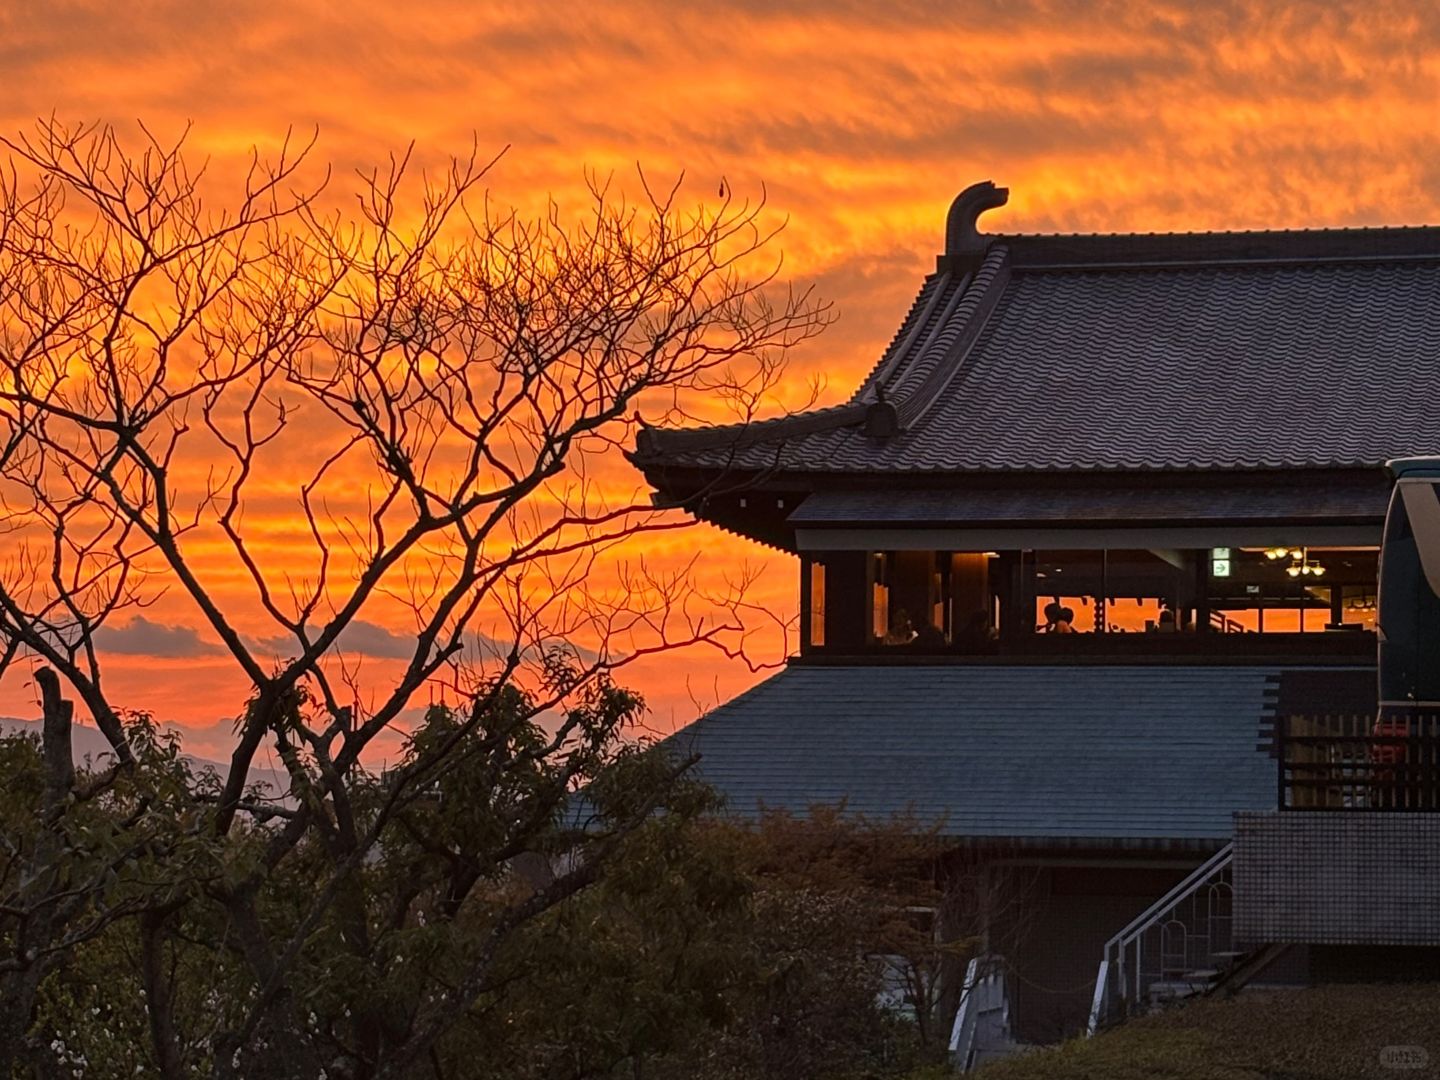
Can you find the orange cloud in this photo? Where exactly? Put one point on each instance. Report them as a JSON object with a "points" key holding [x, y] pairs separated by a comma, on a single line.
{"points": [[861, 121]]}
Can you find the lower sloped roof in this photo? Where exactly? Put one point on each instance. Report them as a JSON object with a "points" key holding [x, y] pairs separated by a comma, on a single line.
{"points": [[1128, 754]]}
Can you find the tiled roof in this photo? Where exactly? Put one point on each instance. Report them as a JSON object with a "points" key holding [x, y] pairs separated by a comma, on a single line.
{"points": [[1207, 368], [1133, 755], [1202, 351], [1231, 504]]}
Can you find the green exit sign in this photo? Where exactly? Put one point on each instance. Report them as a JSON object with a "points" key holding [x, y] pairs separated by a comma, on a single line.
{"points": [[1220, 562]]}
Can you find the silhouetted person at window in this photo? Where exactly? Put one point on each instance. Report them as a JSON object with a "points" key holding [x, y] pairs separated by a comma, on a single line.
{"points": [[1166, 623], [1065, 624], [977, 635], [901, 632], [1053, 612], [929, 636]]}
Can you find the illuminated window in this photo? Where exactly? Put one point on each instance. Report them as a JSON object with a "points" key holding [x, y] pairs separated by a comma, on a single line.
{"points": [[817, 603], [1294, 589], [879, 596], [1114, 592]]}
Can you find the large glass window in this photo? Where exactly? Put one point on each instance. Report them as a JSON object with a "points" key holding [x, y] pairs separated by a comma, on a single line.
{"points": [[932, 599], [1114, 592], [908, 598], [880, 629], [965, 602], [972, 603], [1292, 589]]}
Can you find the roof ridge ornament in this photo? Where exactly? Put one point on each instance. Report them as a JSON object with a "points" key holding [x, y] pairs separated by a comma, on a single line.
{"points": [[964, 244]]}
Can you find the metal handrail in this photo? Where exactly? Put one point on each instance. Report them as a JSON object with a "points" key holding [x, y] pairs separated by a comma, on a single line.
{"points": [[1169, 900], [1098, 999], [965, 1015], [1113, 958]]}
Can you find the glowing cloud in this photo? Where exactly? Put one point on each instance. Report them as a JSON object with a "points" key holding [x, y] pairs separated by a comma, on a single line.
{"points": [[860, 120]]}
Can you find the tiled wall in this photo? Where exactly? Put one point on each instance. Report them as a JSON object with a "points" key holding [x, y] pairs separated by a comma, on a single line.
{"points": [[1337, 878]]}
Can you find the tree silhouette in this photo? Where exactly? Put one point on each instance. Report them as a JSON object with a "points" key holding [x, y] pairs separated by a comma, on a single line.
{"points": [[428, 382]]}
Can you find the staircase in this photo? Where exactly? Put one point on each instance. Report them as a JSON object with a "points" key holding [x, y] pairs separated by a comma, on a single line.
{"points": [[1222, 623], [1179, 947], [982, 1023]]}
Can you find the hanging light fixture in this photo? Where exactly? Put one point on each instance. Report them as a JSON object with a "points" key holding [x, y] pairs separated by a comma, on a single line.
{"points": [[1287, 552], [1303, 564]]}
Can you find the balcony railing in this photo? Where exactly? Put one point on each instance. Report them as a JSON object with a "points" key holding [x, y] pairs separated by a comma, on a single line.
{"points": [[1350, 762]]}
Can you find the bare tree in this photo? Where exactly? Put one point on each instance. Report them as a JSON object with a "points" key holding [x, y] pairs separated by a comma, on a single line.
{"points": [[433, 386]]}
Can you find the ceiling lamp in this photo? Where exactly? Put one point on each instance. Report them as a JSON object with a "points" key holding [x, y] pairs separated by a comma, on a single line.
{"points": [[1284, 553], [1303, 564]]}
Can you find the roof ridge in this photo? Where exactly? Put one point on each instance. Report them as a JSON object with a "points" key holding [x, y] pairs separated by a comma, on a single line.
{"points": [[1303, 229], [931, 289], [1041, 251], [969, 319], [940, 329]]}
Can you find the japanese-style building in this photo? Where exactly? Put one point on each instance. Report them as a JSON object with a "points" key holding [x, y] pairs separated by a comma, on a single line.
{"points": [[1099, 528]]}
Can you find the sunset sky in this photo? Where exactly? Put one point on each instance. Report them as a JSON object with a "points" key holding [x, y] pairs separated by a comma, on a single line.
{"points": [[860, 120]]}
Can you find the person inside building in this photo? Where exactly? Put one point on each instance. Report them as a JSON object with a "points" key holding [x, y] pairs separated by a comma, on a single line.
{"points": [[1065, 624], [901, 632], [929, 636], [977, 635]]}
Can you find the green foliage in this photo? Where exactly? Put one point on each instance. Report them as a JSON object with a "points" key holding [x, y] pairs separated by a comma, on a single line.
{"points": [[696, 948], [138, 844], [719, 951]]}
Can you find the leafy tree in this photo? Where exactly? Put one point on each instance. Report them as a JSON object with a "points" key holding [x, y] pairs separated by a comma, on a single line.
{"points": [[847, 931], [717, 950], [493, 844], [706, 949]]}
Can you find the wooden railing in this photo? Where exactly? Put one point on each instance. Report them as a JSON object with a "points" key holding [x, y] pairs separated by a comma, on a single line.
{"points": [[1223, 624], [1348, 762]]}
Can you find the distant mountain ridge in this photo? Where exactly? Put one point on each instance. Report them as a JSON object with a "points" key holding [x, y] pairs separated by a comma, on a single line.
{"points": [[88, 745]]}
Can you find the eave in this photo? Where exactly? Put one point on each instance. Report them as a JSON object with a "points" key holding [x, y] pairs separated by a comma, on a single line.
{"points": [[760, 505]]}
